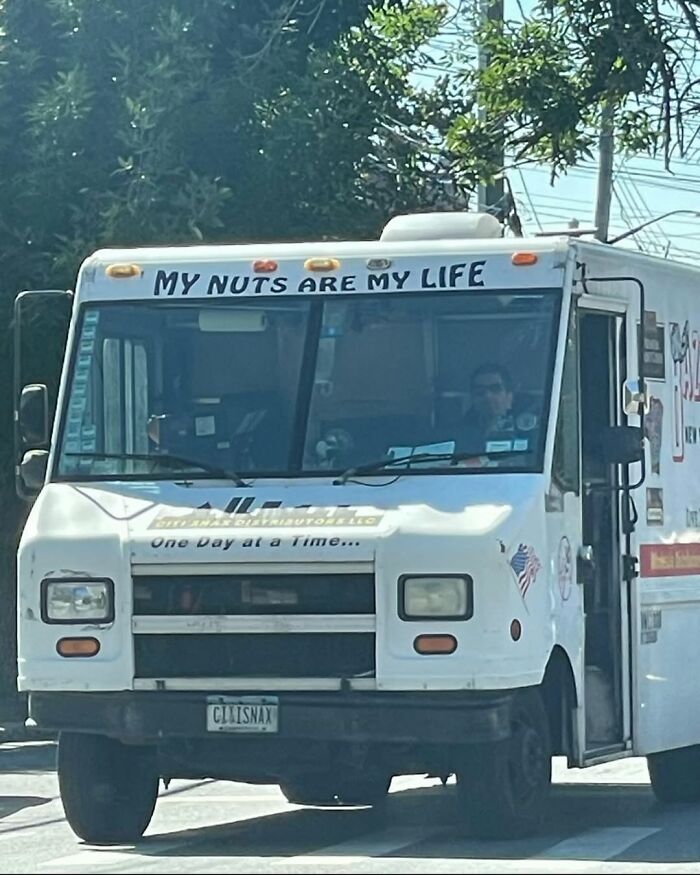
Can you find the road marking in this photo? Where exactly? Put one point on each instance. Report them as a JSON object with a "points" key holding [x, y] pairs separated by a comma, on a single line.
{"points": [[149, 851], [578, 852], [91, 856], [360, 848], [575, 854], [373, 844], [597, 844], [128, 856]]}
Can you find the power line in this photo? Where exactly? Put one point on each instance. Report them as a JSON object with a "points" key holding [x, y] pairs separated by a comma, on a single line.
{"points": [[529, 200], [640, 208]]}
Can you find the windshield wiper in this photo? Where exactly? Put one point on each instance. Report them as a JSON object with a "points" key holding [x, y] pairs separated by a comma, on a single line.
{"points": [[381, 464], [169, 461]]}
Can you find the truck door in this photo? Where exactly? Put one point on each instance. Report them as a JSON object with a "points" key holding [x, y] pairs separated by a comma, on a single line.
{"points": [[602, 371]]}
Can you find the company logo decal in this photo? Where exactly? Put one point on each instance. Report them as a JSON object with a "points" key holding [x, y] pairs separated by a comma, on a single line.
{"points": [[565, 568], [685, 351], [669, 560], [241, 516]]}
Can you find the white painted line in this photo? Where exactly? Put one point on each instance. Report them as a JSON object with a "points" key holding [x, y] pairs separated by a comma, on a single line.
{"points": [[573, 855], [484, 865], [597, 844], [94, 855], [88, 858], [91, 856], [357, 850]]}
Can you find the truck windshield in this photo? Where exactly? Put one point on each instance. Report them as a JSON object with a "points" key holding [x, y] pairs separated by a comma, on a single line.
{"points": [[306, 387]]}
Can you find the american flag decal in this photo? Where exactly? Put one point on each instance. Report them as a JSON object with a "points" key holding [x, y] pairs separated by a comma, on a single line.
{"points": [[525, 565]]}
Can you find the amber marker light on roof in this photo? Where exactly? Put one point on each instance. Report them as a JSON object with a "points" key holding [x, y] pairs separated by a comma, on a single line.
{"points": [[265, 265], [521, 259], [321, 264], [123, 271]]}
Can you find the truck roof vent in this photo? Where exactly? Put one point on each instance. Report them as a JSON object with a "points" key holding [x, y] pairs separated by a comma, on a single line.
{"points": [[441, 226]]}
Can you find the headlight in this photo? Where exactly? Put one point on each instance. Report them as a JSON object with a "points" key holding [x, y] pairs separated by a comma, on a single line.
{"points": [[446, 597], [77, 601]]}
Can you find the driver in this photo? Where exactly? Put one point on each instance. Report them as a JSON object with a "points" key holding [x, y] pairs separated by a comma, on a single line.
{"points": [[491, 423]]}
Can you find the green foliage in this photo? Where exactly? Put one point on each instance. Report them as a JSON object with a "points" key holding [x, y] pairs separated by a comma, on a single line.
{"points": [[353, 107], [128, 122], [549, 75]]}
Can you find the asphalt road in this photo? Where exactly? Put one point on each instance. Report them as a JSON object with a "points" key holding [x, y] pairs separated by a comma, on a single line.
{"points": [[604, 819]]}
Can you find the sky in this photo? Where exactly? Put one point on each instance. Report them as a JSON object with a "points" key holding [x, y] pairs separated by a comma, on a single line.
{"points": [[643, 189]]}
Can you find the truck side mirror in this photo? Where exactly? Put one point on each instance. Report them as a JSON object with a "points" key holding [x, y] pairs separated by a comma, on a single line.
{"points": [[623, 444], [634, 398], [33, 415], [32, 472], [46, 314]]}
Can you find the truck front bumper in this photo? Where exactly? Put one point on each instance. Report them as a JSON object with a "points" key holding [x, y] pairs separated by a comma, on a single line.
{"points": [[358, 717]]}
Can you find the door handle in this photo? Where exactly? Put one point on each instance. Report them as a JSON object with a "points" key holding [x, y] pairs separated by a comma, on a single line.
{"points": [[585, 553], [585, 564]]}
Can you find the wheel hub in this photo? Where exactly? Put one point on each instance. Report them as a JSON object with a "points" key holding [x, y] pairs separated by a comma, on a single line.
{"points": [[527, 759]]}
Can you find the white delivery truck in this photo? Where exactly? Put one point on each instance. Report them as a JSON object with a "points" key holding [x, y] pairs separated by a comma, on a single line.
{"points": [[321, 514]]}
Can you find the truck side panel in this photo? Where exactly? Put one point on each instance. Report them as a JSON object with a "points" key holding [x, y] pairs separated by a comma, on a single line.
{"points": [[665, 597]]}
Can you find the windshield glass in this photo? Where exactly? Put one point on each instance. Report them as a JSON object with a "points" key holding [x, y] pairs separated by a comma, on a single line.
{"points": [[307, 387]]}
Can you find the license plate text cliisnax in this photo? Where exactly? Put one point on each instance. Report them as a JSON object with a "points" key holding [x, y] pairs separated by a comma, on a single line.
{"points": [[242, 714]]}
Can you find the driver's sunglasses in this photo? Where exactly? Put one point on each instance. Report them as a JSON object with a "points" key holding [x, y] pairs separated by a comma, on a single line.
{"points": [[490, 388]]}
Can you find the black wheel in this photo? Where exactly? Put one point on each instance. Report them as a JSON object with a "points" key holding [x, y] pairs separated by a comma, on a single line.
{"points": [[675, 774], [503, 788], [108, 789], [327, 788]]}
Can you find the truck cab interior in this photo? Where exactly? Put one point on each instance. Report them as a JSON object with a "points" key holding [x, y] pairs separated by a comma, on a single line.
{"points": [[277, 387]]}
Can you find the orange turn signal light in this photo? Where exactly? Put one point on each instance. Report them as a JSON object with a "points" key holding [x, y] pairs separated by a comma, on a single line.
{"points": [[265, 265], [523, 258], [123, 271], [321, 264], [427, 644], [78, 646]]}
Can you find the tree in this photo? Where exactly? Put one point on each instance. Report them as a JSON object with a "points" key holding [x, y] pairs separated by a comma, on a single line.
{"points": [[550, 73], [124, 122]]}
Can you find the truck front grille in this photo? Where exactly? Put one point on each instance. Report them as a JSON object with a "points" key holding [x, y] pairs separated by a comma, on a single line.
{"points": [[274, 655], [164, 646], [241, 594]]}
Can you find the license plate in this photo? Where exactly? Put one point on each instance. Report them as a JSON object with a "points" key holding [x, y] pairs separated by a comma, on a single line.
{"points": [[242, 714]]}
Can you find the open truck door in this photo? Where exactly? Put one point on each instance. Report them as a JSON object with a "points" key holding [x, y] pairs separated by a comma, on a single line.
{"points": [[612, 403]]}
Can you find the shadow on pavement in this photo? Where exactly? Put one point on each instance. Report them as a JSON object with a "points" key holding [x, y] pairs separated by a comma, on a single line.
{"points": [[27, 757], [576, 808], [12, 804]]}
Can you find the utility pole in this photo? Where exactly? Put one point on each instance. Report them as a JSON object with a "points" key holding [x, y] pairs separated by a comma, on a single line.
{"points": [[491, 194], [606, 148]]}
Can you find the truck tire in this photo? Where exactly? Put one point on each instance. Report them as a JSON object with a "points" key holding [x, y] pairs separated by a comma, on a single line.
{"points": [[329, 788], [675, 774], [503, 788], [108, 789]]}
